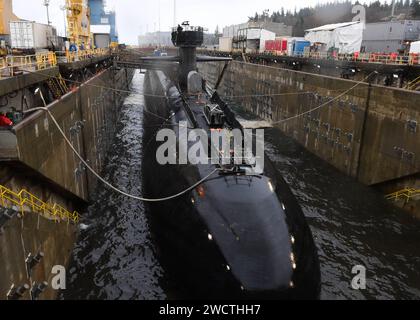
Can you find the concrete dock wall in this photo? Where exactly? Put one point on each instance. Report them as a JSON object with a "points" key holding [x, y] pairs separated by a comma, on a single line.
{"points": [[87, 115], [33, 234], [36, 158], [371, 133]]}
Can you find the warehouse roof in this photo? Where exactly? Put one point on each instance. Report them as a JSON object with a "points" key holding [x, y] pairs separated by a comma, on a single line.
{"points": [[330, 27]]}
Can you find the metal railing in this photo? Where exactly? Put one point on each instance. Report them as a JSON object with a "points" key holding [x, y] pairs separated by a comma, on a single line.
{"points": [[12, 65], [25, 200], [73, 56], [406, 194], [412, 59], [413, 84]]}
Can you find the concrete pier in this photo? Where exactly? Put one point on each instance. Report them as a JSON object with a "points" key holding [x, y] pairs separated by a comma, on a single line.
{"points": [[35, 157]]}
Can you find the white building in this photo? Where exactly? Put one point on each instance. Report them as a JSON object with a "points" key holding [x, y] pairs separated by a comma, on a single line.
{"points": [[346, 37], [280, 29]]}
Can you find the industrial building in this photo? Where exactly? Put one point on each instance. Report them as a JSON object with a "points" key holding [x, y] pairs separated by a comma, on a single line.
{"points": [[346, 37], [251, 36], [99, 16], [390, 36], [252, 40], [280, 29]]}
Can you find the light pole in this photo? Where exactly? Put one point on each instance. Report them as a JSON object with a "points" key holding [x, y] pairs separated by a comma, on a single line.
{"points": [[38, 91], [159, 23], [47, 4], [64, 8], [174, 13]]}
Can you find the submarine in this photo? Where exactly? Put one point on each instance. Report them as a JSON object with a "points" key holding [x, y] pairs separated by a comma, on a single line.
{"points": [[241, 233]]}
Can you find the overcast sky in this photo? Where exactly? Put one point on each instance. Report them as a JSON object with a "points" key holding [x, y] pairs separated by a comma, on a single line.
{"points": [[138, 16]]}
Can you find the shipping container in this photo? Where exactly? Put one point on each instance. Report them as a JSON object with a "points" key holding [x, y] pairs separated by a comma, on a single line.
{"points": [[284, 45], [269, 45], [32, 35], [299, 47], [279, 45]]}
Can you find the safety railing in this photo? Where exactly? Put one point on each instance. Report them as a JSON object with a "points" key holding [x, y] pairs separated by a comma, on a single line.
{"points": [[412, 59], [12, 65], [25, 200], [3, 66], [406, 194], [73, 56], [413, 84]]}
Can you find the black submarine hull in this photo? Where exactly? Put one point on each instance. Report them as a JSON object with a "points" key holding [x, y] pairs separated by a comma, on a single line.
{"points": [[231, 238]]}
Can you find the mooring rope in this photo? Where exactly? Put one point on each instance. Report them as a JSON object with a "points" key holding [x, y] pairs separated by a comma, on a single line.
{"points": [[109, 184], [326, 103]]}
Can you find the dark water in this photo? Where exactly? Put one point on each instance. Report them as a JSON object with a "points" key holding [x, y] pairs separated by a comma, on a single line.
{"points": [[115, 257]]}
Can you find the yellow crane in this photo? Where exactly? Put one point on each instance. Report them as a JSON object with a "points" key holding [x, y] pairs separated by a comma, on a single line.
{"points": [[78, 23], [6, 15]]}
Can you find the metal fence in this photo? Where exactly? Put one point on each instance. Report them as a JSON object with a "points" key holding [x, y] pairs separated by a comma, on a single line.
{"points": [[13, 65], [74, 56], [412, 59]]}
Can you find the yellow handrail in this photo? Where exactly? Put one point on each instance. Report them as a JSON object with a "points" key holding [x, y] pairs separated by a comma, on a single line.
{"points": [[25, 199], [411, 59], [39, 61], [404, 194], [72, 56]]}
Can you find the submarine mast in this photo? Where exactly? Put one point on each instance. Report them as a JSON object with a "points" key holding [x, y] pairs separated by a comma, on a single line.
{"points": [[187, 39]]}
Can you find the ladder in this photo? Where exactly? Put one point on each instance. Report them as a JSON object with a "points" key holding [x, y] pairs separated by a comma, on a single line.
{"points": [[57, 86]]}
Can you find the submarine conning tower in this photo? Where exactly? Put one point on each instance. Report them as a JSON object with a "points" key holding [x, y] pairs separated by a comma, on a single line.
{"points": [[187, 39]]}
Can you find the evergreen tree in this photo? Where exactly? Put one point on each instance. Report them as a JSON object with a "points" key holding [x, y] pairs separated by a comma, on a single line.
{"points": [[415, 6]]}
